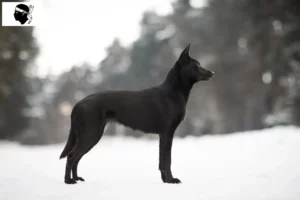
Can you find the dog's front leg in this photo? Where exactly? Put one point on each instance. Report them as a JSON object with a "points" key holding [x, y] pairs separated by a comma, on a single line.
{"points": [[165, 148]]}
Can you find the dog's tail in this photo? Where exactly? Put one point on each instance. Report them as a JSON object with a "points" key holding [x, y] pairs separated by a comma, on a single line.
{"points": [[69, 146]]}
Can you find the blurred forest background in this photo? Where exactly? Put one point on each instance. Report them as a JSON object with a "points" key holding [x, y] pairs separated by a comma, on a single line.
{"points": [[253, 46]]}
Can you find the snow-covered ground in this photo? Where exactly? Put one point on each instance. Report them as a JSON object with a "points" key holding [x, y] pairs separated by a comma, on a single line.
{"points": [[258, 165]]}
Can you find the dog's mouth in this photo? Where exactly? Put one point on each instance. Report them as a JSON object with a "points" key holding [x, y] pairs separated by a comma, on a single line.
{"points": [[206, 77]]}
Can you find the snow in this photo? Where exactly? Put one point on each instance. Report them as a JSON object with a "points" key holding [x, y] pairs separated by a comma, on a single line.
{"points": [[257, 165]]}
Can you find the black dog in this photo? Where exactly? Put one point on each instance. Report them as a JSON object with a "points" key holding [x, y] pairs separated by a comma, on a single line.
{"points": [[155, 110]]}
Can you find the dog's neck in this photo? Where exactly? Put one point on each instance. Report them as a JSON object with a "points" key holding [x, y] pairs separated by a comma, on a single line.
{"points": [[173, 81]]}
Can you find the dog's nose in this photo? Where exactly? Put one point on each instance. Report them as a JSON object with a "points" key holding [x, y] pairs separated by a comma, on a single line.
{"points": [[212, 74]]}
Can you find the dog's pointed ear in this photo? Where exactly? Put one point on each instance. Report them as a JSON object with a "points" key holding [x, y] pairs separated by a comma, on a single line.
{"points": [[184, 56], [187, 49]]}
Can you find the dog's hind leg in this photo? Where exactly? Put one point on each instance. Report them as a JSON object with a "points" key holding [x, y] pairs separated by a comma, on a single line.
{"points": [[75, 166], [68, 179], [87, 134], [78, 150]]}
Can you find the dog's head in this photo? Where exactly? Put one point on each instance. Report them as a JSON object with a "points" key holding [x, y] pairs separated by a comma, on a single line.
{"points": [[191, 70]]}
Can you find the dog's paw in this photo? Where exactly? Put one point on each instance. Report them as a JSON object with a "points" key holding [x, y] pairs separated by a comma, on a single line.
{"points": [[78, 179], [174, 181], [70, 181]]}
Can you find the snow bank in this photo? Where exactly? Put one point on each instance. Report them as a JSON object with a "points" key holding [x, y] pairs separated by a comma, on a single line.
{"points": [[257, 165]]}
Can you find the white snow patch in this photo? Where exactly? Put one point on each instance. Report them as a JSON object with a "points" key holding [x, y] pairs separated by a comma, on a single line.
{"points": [[258, 165]]}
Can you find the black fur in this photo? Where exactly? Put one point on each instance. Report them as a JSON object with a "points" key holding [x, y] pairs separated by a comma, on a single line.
{"points": [[157, 110]]}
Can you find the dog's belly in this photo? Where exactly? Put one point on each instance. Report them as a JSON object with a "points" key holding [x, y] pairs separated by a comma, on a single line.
{"points": [[142, 122], [139, 118]]}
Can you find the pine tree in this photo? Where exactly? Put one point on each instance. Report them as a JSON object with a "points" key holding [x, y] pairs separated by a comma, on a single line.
{"points": [[17, 51]]}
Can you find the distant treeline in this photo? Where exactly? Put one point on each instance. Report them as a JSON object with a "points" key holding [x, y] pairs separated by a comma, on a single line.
{"points": [[253, 46]]}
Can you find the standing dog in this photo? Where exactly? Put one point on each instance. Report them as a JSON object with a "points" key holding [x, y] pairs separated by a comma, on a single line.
{"points": [[157, 110]]}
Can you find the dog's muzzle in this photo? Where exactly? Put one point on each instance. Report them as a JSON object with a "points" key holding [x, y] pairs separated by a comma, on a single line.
{"points": [[206, 77]]}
